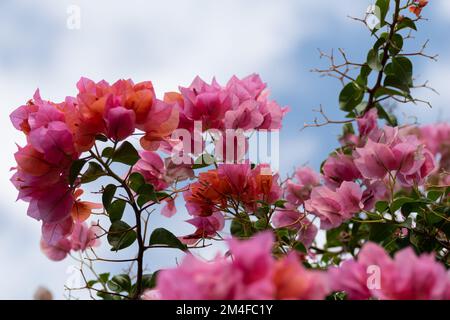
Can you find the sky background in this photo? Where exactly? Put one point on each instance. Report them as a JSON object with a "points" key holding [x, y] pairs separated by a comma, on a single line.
{"points": [[170, 42]]}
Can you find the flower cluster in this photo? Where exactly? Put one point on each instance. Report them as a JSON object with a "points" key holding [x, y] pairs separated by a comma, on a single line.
{"points": [[370, 167], [57, 134], [252, 273], [226, 113], [237, 187], [406, 277]]}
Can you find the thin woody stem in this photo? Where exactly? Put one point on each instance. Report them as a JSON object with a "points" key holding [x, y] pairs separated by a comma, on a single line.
{"points": [[137, 212]]}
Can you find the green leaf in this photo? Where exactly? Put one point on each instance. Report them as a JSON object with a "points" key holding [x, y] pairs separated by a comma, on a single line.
{"points": [[396, 44], [406, 23], [373, 60], [380, 232], [126, 153], [383, 114], [75, 169], [351, 95], [108, 195], [93, 172], [384, 9], [383, 91], [398, 203], [399, 73], [108, 152], [120, 235], [300, 247], [203, 161], [381, 206], [101, 137], [280, 203], [241, 227], [120, 283], [104, 277], [149, 280], [165, 237], [115, 210], [135, 181]]}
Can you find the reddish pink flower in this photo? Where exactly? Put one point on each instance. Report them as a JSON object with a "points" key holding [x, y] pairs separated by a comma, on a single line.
{"points": [[52, 233], [84, 237], [375, 160], [120, 123], [207, 227], [406, 277], [151, 167], [58, 251], [338, 168], [334, 207], [368, 122], [195, 279]]}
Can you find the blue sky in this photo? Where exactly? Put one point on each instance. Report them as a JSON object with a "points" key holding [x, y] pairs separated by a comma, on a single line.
{"points": [[170, 42]]}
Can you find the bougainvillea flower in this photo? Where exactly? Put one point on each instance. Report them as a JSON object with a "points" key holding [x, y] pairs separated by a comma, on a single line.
{"points": [[406, 277], [298, 190], [58, 251], [54, 206], [251, 274], [120, 123], [52, 233], [82, 210], [418, 6], [334, 207], [293, 282], [84, 237], [375, 160], [338, 168], [367, 123], [151, 167], [206, 227]]}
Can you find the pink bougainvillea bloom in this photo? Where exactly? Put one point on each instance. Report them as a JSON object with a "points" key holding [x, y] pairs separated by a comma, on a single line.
{"points": [[245, 117], [84, 237], [52, 233], [367, 123], [169, 209], [286, 218], [248, 88], [195, 279], [307, 233], [375, 160], [293, 282], [254, 263], [207, 227], [58, 251], [120, 123], [54, 141], [436, 137], [298, 190], [340, 167], [350, 277], [151, 167], [162, 120], [334, 207], [54, 206], [406, 277]]}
